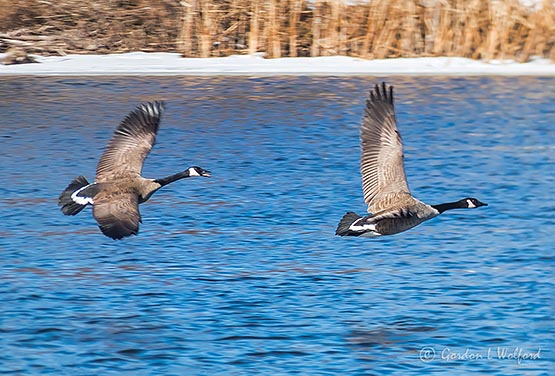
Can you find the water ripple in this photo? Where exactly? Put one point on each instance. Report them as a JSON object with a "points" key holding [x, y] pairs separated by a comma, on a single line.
{"points": [[240, 273]]}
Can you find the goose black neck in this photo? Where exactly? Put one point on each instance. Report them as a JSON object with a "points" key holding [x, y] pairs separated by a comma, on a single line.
{"points": [[448, 206], [170, 179]]}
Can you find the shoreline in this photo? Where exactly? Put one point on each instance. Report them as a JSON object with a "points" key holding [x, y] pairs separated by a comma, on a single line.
{"points": [[172, 64]]}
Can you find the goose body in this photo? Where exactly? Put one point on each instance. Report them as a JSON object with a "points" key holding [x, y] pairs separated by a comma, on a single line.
{"points": [[391, 206], [119, 188]]}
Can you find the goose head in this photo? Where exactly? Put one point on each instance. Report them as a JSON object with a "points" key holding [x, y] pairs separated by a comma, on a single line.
{"points": [[471, 203], [198, 171]]}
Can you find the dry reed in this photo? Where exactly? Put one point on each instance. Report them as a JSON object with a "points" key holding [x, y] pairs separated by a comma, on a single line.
{"points": [[479, 29]]}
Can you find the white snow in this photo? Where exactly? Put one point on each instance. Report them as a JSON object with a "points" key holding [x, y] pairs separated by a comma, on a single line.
{"points": [[141, 63]]}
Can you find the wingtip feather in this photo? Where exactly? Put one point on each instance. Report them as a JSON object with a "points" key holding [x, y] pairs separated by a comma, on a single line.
{"points": [[381, 93], [153, 109]]}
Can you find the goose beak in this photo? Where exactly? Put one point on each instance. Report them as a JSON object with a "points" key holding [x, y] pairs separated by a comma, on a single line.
{"points": [[205, 173]]}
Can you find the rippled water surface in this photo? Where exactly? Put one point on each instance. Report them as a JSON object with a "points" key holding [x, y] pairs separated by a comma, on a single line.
{"points": [[241, 273]]}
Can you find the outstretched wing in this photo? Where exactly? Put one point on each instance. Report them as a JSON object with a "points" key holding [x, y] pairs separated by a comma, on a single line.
{"points": [[117, 214], [132, 141], [381, 163]]}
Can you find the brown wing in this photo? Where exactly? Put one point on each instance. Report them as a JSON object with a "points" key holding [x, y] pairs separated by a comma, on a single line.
{"points": [[134, 137], [381, 163], [117, 214]]}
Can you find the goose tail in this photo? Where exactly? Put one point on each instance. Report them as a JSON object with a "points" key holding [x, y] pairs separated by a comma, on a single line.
{"points": [[343, 228], [68, 206]]}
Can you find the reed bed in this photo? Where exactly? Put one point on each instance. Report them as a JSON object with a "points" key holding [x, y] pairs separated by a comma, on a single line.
{"points": [[478, 29]]}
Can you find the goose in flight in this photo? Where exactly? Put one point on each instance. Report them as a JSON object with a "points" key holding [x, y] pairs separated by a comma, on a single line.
{"points": [[119, 187], [391, 206]]}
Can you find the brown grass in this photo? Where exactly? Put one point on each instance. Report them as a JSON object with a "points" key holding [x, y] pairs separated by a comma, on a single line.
{"points": [[479, 29]]}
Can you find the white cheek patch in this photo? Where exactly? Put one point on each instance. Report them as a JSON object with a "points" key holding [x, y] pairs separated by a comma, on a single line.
{"points": [[80, 199], [470, 204], [193, 172]]}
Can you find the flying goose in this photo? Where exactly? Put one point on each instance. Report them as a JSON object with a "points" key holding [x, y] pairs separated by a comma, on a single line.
{"points": [[119, 187], [393, 209]]}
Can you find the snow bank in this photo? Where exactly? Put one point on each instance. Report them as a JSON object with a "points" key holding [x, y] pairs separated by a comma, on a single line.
{"points": [[140, 63]]}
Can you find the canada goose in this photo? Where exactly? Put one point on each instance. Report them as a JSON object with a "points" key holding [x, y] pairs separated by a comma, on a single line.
{"points": [[384, 183], [119, 187]]}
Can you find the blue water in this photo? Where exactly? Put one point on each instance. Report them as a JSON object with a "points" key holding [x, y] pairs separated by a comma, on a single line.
{"points": [[241, 274]]}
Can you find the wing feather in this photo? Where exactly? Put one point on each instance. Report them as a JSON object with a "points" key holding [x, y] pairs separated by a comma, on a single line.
{"points": [[117, 214], [381, 163], [132, 141]]}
